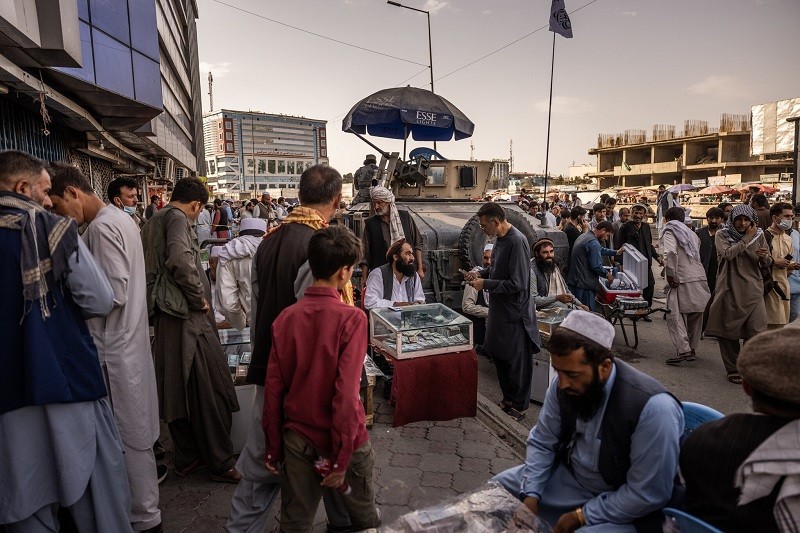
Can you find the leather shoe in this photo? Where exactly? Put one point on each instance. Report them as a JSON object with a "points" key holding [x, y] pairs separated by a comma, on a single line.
{"points": [[231, 476], [189, 469]]}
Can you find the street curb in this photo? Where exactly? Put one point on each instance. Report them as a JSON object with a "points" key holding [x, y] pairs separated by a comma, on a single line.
{"points": [[499, 423]]}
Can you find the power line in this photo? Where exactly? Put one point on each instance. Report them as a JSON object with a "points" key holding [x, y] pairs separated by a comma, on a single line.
{"points": [[317, 34], [340, 115], [515, 41]]}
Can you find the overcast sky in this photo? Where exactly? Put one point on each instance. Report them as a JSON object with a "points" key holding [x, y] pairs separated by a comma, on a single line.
{"points": [[631, 64]]}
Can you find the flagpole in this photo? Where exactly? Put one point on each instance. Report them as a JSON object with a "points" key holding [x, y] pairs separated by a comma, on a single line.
{"points": [[549, 114]]}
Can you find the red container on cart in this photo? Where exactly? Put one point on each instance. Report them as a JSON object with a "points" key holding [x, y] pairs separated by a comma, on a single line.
{"points": [[607, 296]]}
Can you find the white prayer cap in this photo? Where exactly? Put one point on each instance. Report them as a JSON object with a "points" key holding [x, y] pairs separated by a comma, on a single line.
{"points": [[215, 250], [591, 326], [253, 223], [489, 247]]}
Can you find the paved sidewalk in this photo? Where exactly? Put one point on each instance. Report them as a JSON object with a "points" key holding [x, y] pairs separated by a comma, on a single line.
{"points": [[416, 466]]}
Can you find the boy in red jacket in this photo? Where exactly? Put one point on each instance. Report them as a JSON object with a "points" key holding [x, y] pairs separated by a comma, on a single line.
{"points": [[312, 409]]}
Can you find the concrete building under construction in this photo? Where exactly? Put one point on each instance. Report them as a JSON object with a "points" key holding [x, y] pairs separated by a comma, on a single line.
{"points": [[692, 155]]}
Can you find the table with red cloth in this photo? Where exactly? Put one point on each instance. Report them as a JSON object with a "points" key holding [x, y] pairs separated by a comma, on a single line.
{"points": [[434, 388]]}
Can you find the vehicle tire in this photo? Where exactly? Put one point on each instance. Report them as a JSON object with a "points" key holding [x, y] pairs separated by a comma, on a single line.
{"points": [[472, 238]]}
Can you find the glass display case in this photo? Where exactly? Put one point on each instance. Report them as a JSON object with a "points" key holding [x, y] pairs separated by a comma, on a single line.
{"points": [[419, 330], [550, 319]]}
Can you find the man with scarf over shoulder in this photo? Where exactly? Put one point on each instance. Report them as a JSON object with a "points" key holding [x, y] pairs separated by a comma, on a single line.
{"points": [[59, 444], [278, 270], [738, 311], [686, 290]]}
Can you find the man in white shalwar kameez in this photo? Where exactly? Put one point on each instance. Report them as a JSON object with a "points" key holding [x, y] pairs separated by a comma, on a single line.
{"points": [[687, 289], [122, 338], [234, 272]]}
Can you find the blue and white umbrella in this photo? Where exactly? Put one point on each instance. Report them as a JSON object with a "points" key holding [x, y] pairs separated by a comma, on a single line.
{"points": [[395, 113]]}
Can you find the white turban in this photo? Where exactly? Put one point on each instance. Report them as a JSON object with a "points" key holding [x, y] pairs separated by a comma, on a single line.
{"points": [[489, 247], [382, 194]]}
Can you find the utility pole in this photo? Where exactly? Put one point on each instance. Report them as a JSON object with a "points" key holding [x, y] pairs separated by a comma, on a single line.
{"points": [[511, 155], [210, 91], [253, 140]]}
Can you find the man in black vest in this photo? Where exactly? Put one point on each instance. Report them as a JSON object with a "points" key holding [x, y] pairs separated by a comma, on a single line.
{"points": [[386, 227], [396, 283], [549, 289], [604, 452]]}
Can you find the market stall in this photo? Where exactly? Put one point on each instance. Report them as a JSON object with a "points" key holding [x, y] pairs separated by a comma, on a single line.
{"points": [[435, 367], [621, 300]]}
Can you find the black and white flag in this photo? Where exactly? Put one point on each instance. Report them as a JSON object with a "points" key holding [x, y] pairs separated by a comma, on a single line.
{"points": [[559, 19]]}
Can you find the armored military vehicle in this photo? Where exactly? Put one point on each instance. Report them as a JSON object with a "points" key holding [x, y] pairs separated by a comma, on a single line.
{"points": [[442, 197]]}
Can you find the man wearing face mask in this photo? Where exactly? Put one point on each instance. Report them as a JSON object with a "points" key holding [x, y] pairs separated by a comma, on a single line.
{"points": [[783, 262], [195, 393], [124, 193]]}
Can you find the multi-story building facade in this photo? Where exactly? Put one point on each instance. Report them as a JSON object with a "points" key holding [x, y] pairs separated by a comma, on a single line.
{"points": [[249, 153], [696, 155], [498, 177], [110, 85]]}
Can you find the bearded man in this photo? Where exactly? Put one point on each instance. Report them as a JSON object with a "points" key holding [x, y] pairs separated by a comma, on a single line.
{"points": [[549, 290], [604, 452], [386, 227], [396, 283]]}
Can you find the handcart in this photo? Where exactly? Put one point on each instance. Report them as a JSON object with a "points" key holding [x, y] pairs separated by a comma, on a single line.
{"points": [[618, 305]]}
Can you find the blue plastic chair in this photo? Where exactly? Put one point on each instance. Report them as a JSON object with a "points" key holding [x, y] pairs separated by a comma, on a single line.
{"points": [[696, 414], [687, 523]]}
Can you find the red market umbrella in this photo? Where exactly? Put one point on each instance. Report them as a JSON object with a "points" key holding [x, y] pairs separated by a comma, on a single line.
{"points": [[765, 189], [717, 189]]}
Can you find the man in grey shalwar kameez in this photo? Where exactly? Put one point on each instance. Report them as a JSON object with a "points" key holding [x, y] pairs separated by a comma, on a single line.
{"points": [[122, 338], [59, 445], [195, 390], [512, 336]]}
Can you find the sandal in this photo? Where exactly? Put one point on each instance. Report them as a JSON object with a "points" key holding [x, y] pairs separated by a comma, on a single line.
{"points": [[516, 415], [735, 378]]}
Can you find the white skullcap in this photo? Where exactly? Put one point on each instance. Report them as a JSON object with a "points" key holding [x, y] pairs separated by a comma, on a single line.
{"points": [[591, 326], [382, 194], [214, 252], [489, 247], [253, 223]]}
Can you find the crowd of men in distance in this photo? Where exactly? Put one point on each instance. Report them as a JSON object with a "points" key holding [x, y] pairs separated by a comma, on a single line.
{"points": [[82, 390], [734, 277]]}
